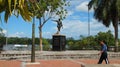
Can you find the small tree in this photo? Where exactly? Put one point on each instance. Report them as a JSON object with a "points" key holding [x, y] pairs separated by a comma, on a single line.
{"points": [[49, 9], [2, 40]]}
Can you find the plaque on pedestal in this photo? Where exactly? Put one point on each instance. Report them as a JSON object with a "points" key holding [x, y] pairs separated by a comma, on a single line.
{"points": [[59, 42]]}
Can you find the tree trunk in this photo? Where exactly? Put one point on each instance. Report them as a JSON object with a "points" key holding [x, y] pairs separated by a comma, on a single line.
{"points": [[40, 34], [41, 48], [116, 35], [33, 42]]}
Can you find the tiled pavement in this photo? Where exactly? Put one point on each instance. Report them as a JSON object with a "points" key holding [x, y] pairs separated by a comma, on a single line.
{"points": [[10, 63], [52, 63]]}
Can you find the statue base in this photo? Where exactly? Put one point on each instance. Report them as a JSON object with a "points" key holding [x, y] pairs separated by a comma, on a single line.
{"points": [[58, 42]]}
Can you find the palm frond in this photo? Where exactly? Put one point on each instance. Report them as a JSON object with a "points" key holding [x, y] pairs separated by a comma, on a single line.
{"points": [[0, 18], [1, 29], [118, 7], [9, 6], [15, 3], [7, 14]]}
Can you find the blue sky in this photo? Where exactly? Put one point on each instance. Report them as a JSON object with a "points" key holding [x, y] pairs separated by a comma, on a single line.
{"points": [[75, 24]]}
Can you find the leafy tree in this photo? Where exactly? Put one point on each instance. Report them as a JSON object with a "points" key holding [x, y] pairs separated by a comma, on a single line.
{"points": [[47, 10], [29, 41], [70, 45], [107, 37], [90, 42], [119, 43], [46, 44], [2, 40], [87, 42], [70, 42], [107, 12], [44, 10]]}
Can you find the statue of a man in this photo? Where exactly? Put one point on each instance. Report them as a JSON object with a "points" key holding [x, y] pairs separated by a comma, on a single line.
{"points": [[59, 25]]}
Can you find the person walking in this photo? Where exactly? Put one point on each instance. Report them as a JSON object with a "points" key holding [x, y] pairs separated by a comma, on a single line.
{"points": [[103, 53]]}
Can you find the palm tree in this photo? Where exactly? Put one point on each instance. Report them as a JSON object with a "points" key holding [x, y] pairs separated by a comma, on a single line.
{"points": [[32, 8], [15, 7], [33, 41], [107, 12], [19, 7]]}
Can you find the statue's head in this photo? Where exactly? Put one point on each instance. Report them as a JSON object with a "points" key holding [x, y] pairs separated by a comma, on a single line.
{"points": [[58, 19]]}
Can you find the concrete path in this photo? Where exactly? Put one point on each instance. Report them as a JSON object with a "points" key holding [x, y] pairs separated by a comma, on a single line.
{"points": [[101, 65]]}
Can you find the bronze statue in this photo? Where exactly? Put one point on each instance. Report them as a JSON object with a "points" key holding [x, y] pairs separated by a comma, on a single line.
{"points": [[59, 25]]}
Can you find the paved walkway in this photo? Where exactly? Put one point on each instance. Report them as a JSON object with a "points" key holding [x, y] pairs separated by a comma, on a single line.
{"points": [[52, 63], [61, 62], [10, 63]]}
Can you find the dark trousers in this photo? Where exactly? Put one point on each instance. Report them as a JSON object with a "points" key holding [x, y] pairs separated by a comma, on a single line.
{"points": [[103, 57]]}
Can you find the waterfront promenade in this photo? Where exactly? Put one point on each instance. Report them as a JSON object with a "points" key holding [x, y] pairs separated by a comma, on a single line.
{"points": [[55, 59]]}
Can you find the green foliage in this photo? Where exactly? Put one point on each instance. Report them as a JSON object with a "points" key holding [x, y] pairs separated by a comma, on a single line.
{"points": [[91, 42], [119, 42], [46, 44], [28, 41], [48, 8], [16, 40], [107, 37], [70, 43], [2, 40]]}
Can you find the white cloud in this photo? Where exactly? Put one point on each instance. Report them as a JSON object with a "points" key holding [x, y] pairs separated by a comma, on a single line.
{"points": [[75, 2], [3, 31], [75, 28], [70, 13], [17, 34], [96, 27], [76, 17], [83, 7], [47, 34]]}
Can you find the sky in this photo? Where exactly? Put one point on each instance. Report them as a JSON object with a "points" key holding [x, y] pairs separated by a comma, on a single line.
{"points": [[75, 24]]}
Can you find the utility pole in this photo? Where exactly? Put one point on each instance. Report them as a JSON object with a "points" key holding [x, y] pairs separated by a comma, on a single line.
{"points": [[88, 23], [6, 34]]}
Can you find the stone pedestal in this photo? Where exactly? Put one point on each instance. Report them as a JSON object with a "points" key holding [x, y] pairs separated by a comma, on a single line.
{"points": [[59, 42]]}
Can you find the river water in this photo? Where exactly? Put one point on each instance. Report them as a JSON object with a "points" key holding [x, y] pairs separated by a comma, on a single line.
{"points": [[13, 47]]}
